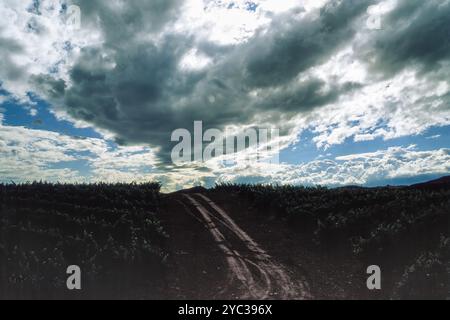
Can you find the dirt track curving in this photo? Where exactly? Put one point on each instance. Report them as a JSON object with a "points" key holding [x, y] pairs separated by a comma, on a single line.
{"points": [[249, 267]]}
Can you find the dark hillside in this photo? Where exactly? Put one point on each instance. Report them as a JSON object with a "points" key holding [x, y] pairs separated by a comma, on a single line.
{"points": [[405, 230], [132, 242], [107, 230]]}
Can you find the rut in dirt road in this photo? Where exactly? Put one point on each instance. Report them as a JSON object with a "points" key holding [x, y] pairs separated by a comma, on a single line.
{"points": [[249, 266]]}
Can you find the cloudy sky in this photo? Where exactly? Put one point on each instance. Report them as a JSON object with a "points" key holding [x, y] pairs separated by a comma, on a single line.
{"points": [[359, 89]]}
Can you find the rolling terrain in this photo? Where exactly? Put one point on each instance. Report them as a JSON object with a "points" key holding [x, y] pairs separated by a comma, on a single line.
{"points": [[229, 242]]}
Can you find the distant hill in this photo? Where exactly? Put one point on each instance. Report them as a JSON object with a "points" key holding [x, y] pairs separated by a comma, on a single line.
{"points": [[440, 183], [443, 182], [197, 189]]}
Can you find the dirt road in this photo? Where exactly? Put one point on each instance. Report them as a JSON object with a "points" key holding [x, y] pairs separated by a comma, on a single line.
{"points": [[238, 269]]}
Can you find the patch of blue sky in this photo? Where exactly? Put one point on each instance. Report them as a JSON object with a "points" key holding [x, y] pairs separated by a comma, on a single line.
{"points": [[302, 152], [147, 169], [306, 150], [251, 6], [19, 115], [83, 167], [137, 170]]}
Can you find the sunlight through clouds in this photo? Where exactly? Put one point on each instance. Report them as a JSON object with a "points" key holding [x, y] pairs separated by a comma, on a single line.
{"points": [[134, 72]]}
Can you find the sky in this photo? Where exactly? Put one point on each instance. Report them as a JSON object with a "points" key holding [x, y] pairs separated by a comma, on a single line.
{"points": [[92, 90]]}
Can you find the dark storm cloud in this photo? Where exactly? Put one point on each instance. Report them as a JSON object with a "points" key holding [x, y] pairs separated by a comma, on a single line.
{"points": [[291, 47], [54, 88], [133, 86], [416, 34], [121, 21], [310, 94]]}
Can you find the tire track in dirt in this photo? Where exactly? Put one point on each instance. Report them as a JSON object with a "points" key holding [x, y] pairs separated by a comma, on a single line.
{"points": [[236, 263], [253, 268]]}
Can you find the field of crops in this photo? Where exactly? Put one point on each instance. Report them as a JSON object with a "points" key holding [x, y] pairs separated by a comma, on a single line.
{"points": [[404, 229], [115, 235], [112, 232]]}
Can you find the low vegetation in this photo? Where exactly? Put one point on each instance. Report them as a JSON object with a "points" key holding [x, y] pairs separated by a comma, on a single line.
{"points": [[404, 229], [112, 232]]}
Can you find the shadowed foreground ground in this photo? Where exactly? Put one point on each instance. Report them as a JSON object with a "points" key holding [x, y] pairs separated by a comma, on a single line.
{"points": [[231, 242]]}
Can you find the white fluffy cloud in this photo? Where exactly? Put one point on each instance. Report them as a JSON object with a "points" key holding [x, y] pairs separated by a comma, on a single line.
{"points": [[35, 38], [28, 155], [357, 169], [404, 105]]}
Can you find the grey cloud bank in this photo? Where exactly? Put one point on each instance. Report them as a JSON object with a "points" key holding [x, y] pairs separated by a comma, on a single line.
{"points": [[133, 86], [129, 80]]}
